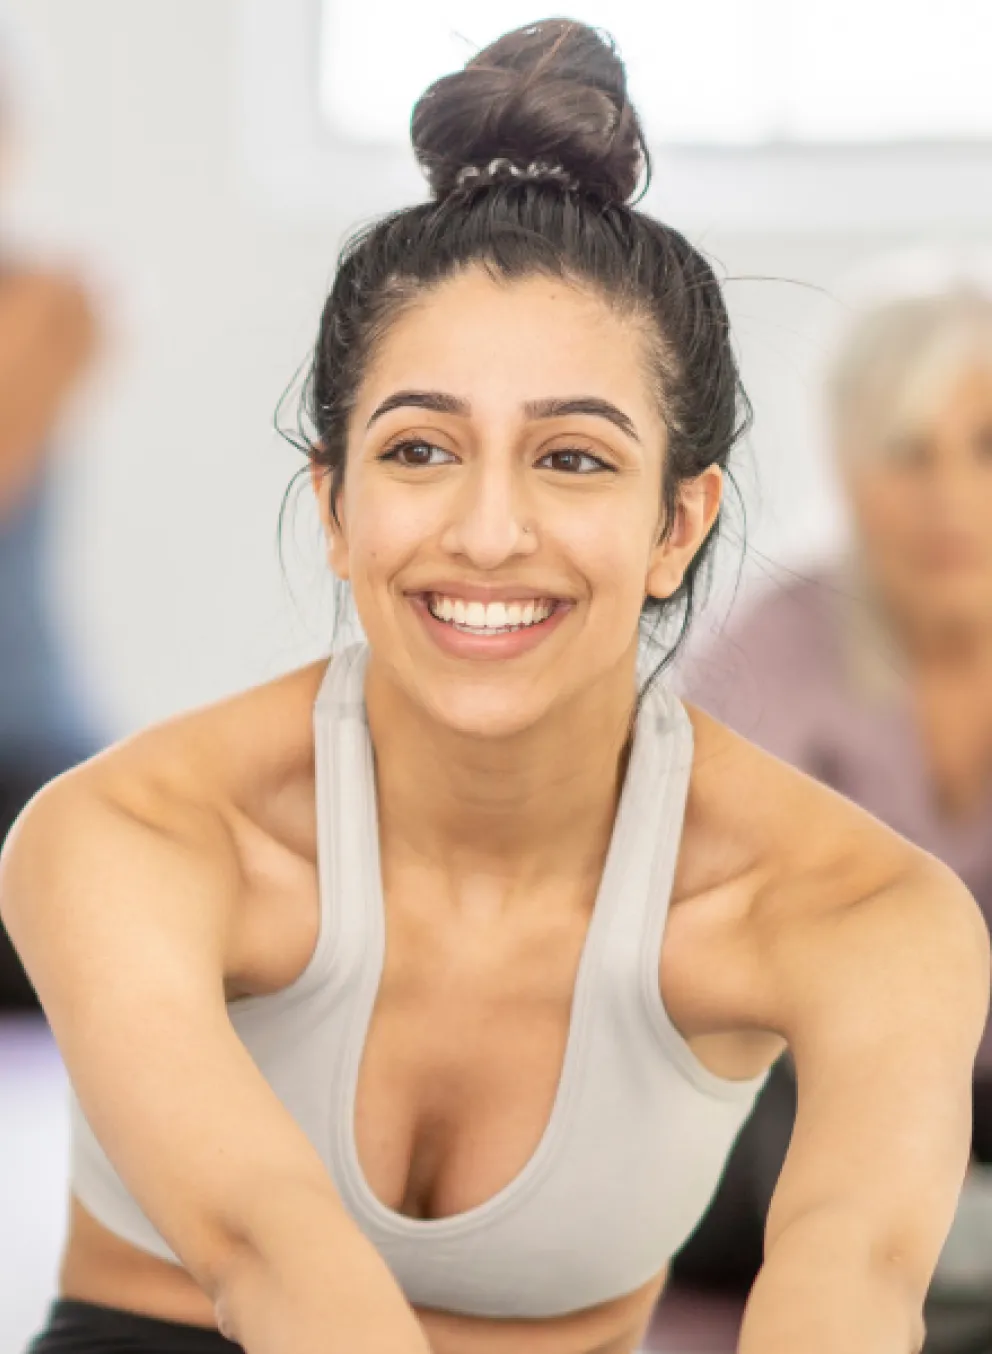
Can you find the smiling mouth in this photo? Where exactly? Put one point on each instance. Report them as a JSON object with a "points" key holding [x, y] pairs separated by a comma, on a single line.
{"points": [[493, 618]]}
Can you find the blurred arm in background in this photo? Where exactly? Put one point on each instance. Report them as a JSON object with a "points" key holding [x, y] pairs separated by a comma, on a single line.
{"points": [[47, 338]]}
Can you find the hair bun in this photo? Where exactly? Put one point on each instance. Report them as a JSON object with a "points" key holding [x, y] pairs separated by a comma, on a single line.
{"points": [[553, 92]]}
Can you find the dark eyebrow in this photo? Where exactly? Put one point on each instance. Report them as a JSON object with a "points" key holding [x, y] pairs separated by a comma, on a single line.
{"points": [[582, 404], [441, 403], [435, 400]]}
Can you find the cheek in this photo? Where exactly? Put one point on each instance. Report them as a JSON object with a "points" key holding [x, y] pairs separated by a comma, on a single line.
{"points": [[385, 525], [611, 547], [889, 513]]}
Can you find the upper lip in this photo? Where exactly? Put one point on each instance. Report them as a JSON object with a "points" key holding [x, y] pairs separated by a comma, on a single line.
{"points": [[489, 592]]}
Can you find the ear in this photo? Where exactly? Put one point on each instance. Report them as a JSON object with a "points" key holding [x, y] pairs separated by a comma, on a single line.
{"points": [[696, 508], [335, 539]]}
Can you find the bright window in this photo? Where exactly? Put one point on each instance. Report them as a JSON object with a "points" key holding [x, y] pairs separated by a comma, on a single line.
{"points": [[717, 72]]}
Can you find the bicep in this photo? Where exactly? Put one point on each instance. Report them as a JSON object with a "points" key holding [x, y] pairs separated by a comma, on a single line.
{"points": [[124, 936], [889, 1001]]}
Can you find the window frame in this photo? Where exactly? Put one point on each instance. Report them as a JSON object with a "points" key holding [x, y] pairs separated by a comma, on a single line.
{"points": [[294, 166]]}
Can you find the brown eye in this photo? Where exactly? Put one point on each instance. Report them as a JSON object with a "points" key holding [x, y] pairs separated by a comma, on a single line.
{"points": [[574, 462], [414, 454]]}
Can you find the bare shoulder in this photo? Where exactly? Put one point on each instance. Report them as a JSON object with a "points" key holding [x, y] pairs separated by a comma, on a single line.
{"points": [[752, 816], [798, 890], [180, 777], [132, 806], [179, 809]]}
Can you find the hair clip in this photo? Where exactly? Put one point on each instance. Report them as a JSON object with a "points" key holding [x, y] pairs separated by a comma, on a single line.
{"points": [[501, 168]]}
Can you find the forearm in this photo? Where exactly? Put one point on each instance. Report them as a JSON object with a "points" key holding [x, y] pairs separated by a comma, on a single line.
{"points": [[314, 1285], [823, 1292]]}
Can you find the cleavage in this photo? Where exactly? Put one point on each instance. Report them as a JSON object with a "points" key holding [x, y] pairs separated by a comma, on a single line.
{"points": [[463, 1057]]}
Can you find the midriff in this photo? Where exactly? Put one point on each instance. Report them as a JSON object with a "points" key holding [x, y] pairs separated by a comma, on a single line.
{"points": [[99, 1267]]}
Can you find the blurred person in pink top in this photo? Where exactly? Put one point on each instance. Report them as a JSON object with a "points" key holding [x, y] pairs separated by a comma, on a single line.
{"points": [[874, 673]]}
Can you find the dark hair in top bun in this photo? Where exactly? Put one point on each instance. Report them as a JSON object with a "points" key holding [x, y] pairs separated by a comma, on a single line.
{"points": [[553, 92], [532, 152]]}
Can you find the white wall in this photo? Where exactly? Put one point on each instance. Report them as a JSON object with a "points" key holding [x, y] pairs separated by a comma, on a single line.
{"points": [[169, 569], [168, 574]]}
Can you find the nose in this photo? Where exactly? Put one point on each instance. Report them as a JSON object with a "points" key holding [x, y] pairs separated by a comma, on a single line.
{"points": [[488, 524]]}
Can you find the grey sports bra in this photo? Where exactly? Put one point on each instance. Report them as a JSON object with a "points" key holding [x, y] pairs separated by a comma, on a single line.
{"points": [[639, 1130]]}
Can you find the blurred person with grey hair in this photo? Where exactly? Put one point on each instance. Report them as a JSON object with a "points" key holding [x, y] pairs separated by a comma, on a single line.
{"points": [[47, 341], [874, 674]]}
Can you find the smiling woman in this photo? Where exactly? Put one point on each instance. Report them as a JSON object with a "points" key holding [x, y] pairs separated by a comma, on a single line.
{"points": [[564, 491], [511, 220], [414, 1001]]}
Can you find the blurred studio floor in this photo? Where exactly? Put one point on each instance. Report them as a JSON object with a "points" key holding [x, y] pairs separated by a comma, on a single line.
{"points": [[34, 1142], [34, 1147]]}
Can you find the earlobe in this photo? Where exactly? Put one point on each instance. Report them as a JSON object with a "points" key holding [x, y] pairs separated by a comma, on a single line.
{"points": [[335, 542], [337, 552], [663, 581], [696, 510], [337, 539], [320, 483]]}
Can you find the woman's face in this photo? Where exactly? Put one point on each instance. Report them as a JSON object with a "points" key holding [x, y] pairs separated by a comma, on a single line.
{"points": [[501, 509], [923, 506]]}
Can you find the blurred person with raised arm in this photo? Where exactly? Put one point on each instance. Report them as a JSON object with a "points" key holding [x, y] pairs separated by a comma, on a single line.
{"points": [[48, 336]]}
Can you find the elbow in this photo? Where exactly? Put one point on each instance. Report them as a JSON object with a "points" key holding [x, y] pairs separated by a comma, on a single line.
{"points": [[908, 1288], [273, 1231]]}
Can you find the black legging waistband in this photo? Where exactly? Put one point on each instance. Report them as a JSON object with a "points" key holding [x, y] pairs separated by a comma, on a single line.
{"points": [[76, 1327]]}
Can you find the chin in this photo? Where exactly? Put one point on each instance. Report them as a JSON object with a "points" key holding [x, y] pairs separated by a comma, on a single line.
{"points": [[486, 709]]}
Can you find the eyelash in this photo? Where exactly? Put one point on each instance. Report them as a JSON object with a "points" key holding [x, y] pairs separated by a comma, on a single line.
{"points": [[393, 454]]}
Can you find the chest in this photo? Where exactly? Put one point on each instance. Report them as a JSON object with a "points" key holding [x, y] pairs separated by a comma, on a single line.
{"points": [[463, 1053], [473, 1024], [465, 1029]]}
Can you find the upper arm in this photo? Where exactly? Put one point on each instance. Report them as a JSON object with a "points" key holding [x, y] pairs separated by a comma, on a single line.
{"points": [[125, 931], [883, 1002]]}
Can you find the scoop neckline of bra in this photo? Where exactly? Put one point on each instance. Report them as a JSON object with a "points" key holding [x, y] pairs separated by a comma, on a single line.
{"points": [[535, 1167]]}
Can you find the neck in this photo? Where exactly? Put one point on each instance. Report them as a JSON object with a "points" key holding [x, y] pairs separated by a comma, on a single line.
{"points": [[518, 809]]}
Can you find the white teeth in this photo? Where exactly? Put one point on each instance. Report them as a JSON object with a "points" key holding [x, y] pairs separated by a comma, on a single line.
{"points": [[497, 617]]}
